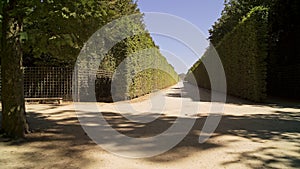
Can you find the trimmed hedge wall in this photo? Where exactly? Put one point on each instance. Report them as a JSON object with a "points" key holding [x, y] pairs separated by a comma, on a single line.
{"points": [[197, 74], [147, 69], [243, 53], [140, 68]]}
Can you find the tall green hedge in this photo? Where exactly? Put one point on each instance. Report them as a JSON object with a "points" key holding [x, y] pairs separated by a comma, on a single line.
{"points": [[140, 68], [147, 69], [243, 52]]}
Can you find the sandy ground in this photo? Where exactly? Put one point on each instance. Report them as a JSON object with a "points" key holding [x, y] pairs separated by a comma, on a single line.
{"points": [[248, 136]]}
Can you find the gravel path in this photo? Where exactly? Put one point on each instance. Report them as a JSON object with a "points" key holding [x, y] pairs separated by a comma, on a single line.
{"points": [[248, 136]]}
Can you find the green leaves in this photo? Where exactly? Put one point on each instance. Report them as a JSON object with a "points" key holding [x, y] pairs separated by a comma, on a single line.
{"points": [[243, 52], [54, 31], [60, 28], [233, 12], [23, 36]]}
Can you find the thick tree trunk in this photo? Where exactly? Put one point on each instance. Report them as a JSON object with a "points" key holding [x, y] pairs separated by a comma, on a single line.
{"points": [[13, 105]]}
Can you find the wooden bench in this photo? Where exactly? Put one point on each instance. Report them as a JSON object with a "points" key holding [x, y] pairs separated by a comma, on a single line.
{"points": [[42, 100]]}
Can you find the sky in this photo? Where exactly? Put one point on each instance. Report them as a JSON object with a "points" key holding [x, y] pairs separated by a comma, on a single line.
{"points": [[200, 13]]}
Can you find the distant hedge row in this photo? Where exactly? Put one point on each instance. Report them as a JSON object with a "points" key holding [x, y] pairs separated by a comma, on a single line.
{"points": [[146, 69], [139, 68], [243, 52]]}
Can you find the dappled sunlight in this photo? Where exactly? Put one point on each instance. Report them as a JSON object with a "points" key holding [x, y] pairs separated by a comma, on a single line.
{"points": [[247, 136]]}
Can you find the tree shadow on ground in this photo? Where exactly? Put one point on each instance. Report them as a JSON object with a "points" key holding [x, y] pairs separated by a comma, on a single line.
{"points": [[59, 135], [259, 128], [52, 143]]}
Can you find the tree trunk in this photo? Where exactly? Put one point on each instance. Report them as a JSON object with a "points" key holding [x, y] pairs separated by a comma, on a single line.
{"points": [[13, 104]]}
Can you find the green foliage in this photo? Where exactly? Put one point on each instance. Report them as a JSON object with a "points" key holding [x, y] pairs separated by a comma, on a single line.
{"points": [[232, 14], [55, 31], [283, 40], [133, 57], [197, 74], [147, 79], [142, 68], [243, 52]]}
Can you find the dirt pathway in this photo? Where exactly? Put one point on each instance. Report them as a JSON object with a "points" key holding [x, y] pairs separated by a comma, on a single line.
{"points": [[248, 136]]}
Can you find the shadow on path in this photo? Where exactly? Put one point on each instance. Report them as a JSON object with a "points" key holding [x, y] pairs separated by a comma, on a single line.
{"points": [[58, 136], [63, 137]]}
